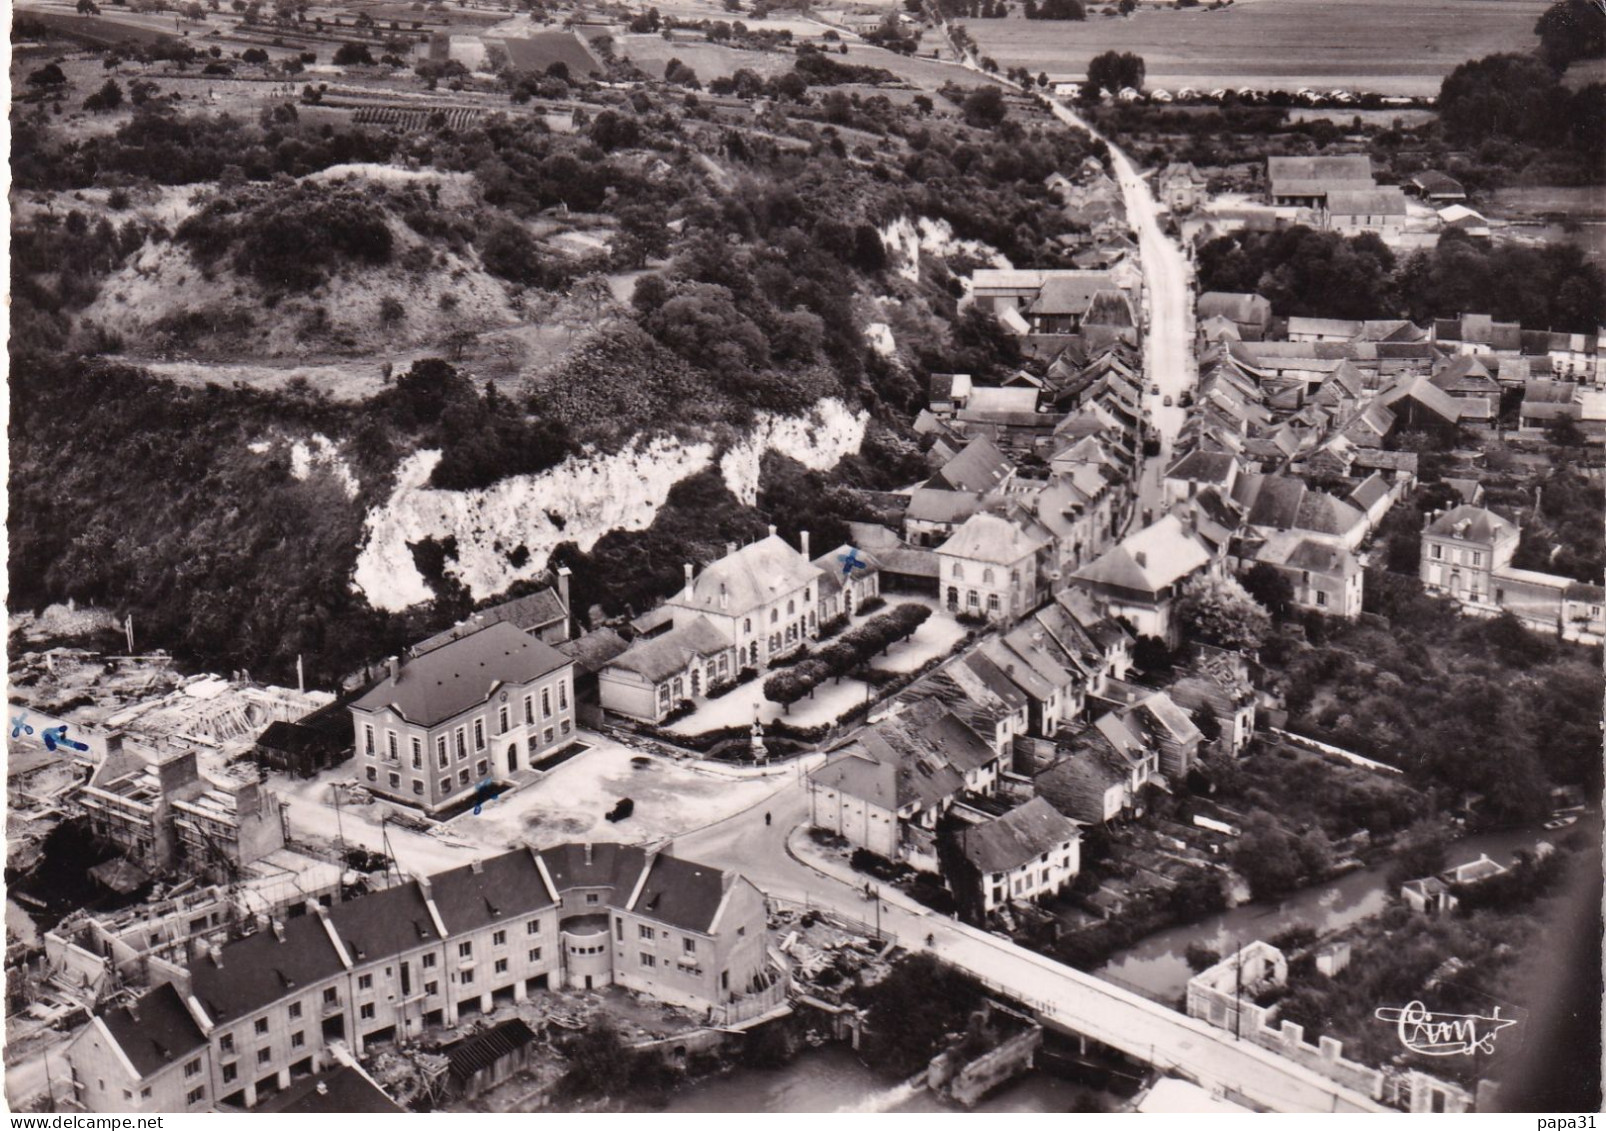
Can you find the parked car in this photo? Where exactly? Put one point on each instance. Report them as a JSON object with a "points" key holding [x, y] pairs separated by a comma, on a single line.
{"points": [[1154, 390], [1168, 400]]}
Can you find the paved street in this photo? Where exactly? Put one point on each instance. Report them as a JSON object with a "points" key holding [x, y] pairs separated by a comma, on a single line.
{"points": [[1135, 1025]]}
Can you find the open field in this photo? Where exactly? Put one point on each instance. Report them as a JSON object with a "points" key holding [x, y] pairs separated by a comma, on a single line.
{"points": [[1387, 46]]}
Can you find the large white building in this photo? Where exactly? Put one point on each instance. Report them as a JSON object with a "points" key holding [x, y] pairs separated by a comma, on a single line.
{"points": [[486, 705]]}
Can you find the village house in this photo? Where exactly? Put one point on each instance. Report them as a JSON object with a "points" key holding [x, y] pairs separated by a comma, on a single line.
{"points": [[543, 614], [1030, 853], [651, 678], [849, 577], [1250, 314], [1324, 575], [978, 693], [1379, 209], [1181, 187], [1089, 642], [989, 568], [1434, 186], [1583, 613], [1435, 895], [1141, 578], [1216, 684], [267, 1007], [488, 704], [1101, 772], [1467, 553], [762, 598], [1153, 715], [1307, 182], [888, 788], [1033, 664]]}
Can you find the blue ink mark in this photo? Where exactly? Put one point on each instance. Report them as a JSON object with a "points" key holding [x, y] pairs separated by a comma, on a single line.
{"points": [[851, 561], [484, 791], [19, 725], [57, 736]]}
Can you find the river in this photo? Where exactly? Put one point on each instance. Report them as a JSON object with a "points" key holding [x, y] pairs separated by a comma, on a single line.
{"points": [[1157, 966], [831, 1079]]}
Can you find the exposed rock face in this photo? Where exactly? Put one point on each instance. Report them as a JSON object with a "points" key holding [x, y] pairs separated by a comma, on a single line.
{"points": [[578, 501]]}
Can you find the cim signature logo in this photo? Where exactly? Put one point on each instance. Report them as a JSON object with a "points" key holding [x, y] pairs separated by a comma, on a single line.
{"points": [[1444, 1034]]}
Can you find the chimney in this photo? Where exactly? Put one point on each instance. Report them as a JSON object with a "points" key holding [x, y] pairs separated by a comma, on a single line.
{"points": [[278, 930], [323, 1089], [477, 866], [803, 537], [426, 890], [588, 852], [724, 596], [1142, 559], [688, 577], [563, 596], [394, 668], [772, 530], [730, 548]]}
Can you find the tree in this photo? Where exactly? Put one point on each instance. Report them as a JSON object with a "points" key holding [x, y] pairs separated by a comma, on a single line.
{"points": [[984, 107], [391, 310], [48, 75], [1200, 957], [1269, 859], [1564, 432], [108, 97], [1570, 30], [353, 55], [1113, 71], [88, 8], [785, 687], [1220, 611], [1270, 587]]}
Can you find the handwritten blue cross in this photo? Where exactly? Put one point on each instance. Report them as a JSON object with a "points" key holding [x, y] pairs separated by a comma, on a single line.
{"points": [[851, 561], [484, 791], [19, 725], [57, 736]]}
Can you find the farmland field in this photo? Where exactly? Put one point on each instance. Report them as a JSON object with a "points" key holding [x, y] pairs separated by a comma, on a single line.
{"points": [[1387, 46]]}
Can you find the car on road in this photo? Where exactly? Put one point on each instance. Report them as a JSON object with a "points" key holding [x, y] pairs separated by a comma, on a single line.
{"points": [[1154, 390], [1168, 401]]}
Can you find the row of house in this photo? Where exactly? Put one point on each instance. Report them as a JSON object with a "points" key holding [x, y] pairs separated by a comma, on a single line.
{"points": [[252, 1016]]}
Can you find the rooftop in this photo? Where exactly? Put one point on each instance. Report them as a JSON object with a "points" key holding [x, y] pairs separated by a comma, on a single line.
{"points": [[442, 684], [1018, 837]]}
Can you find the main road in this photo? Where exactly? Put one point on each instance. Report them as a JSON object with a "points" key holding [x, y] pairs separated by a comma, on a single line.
{"points": [[755, 843]]}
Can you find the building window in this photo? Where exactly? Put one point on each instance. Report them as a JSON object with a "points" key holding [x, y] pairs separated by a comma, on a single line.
{"points": [[992, 602], [392, 753], [462, 744], [563, 695], [441, 757], [230, 1071], [431, 988], [266, 1055], [499, 938], [446, 785], [395, 781], [468, 976], [418, 787], [546, 737], [1321, 598], [462, 777], [261, 1026], [479, 734], [775, 615], [465, 950], [365, 981], [1477, 558], [195, 1096], [373, 774], [418, 753], [481, 768], [501, 720], [297, 1039], [225, 1044], [973, 600], [644, 932], [1438, 552], [501, 966], [987, 576], [959, 572], [331, 996], [546, 703], [565, 726], [193, 1068], [592, 897], [648, 960], [529, 710], [533, 927], [535, 954], [428, 961], [366, 1011], [688, 946], [368, 740]]}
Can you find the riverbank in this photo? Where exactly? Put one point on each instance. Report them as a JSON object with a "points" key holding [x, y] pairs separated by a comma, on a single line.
{"points": [[1157, 965]]}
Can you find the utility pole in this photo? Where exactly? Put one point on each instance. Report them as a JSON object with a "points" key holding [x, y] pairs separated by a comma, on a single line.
{"points": [[1238, 998]]}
